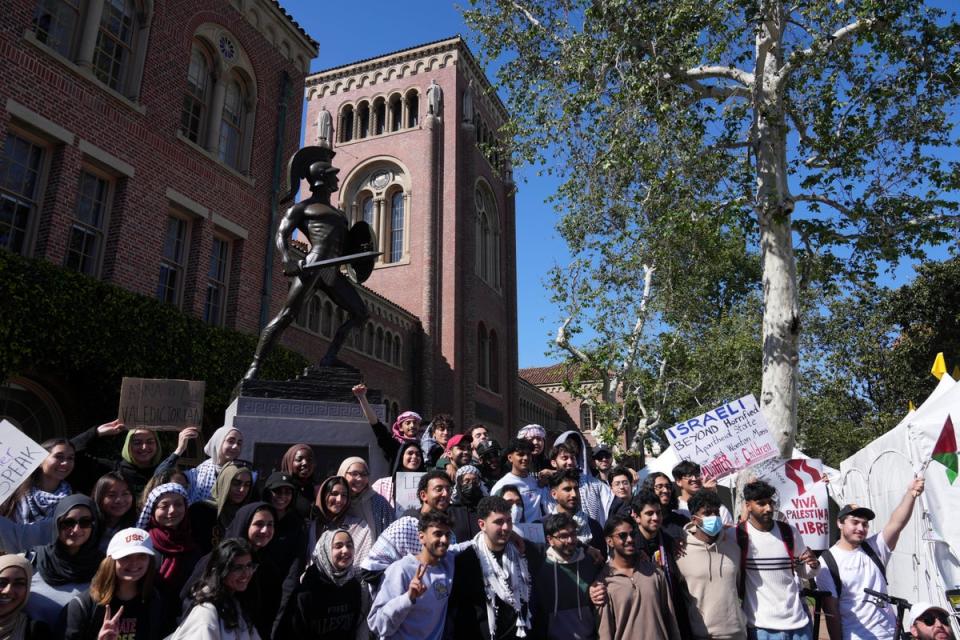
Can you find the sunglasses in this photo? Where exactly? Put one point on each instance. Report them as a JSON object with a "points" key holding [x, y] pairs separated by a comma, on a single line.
{"points": [[69, 523], [625, 535], [931, 617], [244, 568]]}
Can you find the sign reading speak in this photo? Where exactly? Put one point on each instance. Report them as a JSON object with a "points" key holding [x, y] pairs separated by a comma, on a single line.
{"points": [[161, 404], [406, 491], [731, 437], [802, 494], [19, 456]]}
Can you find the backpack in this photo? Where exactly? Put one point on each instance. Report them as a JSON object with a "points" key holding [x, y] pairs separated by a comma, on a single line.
{"points": [[831, 563], [786, 534]]}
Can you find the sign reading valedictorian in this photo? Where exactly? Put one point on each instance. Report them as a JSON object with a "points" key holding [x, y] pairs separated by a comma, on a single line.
{"points": [[19, 456], [724, 440], [161, 404], [802, 497]]}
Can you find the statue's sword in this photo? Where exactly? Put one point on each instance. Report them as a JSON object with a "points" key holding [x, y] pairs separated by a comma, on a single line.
{"points": [[310, 267]]}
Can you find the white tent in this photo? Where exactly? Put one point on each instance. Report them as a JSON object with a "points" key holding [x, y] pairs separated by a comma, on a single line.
{"points": [[926, 560]]}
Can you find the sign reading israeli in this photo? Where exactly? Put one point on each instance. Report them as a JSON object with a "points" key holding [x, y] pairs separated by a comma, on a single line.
{"points": [[802, 497], [162, 405], [19, 456], [724, 440], [406, 491]]}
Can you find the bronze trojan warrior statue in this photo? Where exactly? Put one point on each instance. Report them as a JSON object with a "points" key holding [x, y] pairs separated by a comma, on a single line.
{"points": [[331, 246]]}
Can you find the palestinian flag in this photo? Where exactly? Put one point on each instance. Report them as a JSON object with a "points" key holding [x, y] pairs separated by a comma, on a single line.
{"points": [[945, 451]]}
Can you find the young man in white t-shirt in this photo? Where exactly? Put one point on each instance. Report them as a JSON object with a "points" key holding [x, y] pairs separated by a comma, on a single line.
{"points": [[858, 561], [774, 559]]}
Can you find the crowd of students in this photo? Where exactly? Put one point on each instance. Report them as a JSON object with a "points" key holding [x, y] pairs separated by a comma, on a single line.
{"points": [[521, 541]]}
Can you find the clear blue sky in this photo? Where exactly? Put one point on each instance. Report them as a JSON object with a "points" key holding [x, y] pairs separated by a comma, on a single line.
{"points": [[349, 31]]}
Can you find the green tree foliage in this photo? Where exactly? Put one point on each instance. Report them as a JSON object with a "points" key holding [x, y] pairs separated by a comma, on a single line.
{"points": [[813, 131], [90, 335]]}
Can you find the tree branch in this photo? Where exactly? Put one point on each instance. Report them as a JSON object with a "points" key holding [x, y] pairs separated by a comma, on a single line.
{"points": [[810, 197], [707, 72], [820, 46]]}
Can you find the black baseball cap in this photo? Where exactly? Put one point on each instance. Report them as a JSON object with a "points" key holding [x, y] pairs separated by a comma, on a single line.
{"points": [[856, 510], [602, 452]]}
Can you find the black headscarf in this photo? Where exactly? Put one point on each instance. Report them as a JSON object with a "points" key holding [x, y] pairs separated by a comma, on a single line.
{"points": [[240, 524], [55, 565]]}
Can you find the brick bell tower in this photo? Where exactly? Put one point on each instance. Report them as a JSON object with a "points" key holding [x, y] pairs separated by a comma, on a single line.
{"points": [[415, 137]]}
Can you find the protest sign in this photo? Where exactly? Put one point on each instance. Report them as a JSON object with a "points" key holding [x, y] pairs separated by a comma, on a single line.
{"points": [[162, 405], [731, 437], [405, 488], [802, 495], [19, 456]]}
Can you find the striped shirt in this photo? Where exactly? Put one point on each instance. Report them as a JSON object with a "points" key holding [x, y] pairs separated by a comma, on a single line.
{"points": [[771, 597]]}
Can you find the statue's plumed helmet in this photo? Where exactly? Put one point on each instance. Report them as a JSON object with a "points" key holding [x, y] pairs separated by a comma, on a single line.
{"points": [[308, 163]]}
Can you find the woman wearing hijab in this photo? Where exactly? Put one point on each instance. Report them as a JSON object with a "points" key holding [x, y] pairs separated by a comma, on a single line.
{"points": [[289, 543], [224, 445], [164, 516], [253, 523], [140, 455], [221, 605], [467, 492], [121, 597], [15, 576], [409, 459], [63, 568], [211, 518], [332, 512], [324, 602], [298, 464], [365, 503]]}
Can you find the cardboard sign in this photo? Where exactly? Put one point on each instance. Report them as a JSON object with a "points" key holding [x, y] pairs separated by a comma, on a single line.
{"points": [[19, 456], [162, 405], [802, 495], [731, 437], [405, 490], [530, 531]]}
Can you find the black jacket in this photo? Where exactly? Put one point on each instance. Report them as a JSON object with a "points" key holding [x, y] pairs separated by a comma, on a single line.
{"points": [[82, 618], [314, 608]]}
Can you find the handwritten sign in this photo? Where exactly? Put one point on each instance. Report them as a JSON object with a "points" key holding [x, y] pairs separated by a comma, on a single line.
{"points": [[19, 456], [162, 405], [731, 437], [406, 484], [802, 495]]}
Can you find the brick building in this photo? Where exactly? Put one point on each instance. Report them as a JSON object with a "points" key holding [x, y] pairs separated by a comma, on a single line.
{"points": [[140, 140], [414, 136], [544, 395]]}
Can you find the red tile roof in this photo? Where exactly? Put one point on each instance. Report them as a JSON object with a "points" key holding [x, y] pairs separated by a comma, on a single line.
{"points": [[552, 374]]}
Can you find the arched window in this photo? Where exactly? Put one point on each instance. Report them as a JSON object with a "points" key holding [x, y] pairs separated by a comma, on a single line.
{"points": [[326, 321], [388, 347], [313, 318], [396, 410], [378, 349], [396, 226], [413, 109], [586, 417], [232, 123], [368, 346], [494, 362], [487, 246], [358, 339], [193, 117], [397, 359], [396, 112], [366, 210], [346, 124], [114, 48], [363, 115], [379, 116], [483, 344]]}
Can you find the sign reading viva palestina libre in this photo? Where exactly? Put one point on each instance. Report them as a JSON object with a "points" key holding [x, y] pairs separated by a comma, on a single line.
{"points": [[724, 440], [161, 404]]}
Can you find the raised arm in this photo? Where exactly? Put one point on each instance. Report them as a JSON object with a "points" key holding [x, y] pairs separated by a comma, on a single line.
{"points": [[360, 391], [901, 515]]}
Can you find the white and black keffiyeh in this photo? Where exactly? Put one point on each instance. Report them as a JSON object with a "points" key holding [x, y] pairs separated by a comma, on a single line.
{"points": [[509, 581]]}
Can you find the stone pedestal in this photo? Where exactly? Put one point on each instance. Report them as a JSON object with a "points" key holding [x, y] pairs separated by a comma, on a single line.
{"points": [[317, 408]]}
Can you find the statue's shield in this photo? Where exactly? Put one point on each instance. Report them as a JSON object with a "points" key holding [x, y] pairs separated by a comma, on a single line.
{"points": [[361, 239]]}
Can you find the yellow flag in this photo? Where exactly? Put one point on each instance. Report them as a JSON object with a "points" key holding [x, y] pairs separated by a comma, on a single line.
{"points": [[910, 405], [939, 366]]}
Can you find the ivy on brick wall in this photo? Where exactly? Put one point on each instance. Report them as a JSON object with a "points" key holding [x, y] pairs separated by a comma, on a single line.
{"points": [[91, 334]]}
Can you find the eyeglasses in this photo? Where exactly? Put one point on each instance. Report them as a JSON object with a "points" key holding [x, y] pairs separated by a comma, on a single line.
{"points": [[690, 475], [69, 523], [563, 535], [661, 487], [626, 535], [244, 568], [358, 474], [931, 617]]}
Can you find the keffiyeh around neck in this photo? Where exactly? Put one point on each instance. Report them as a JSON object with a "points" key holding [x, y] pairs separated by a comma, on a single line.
{"points": [[322, 553], [39, 504], [509, 581]]}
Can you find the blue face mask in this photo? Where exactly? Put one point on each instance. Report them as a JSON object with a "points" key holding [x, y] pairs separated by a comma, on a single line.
{"points": [[711, 525]]}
